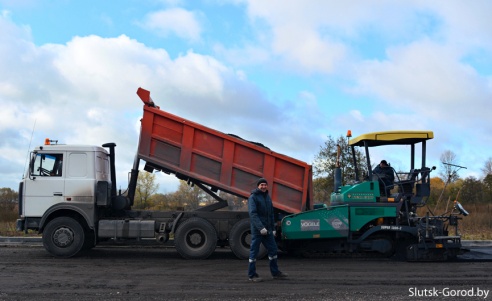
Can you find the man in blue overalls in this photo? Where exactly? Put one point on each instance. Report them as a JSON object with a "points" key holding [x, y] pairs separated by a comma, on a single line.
{"points": [[261, 214]]}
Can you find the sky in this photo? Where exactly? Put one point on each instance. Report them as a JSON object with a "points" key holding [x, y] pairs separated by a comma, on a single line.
{"points": [[287, 74]]}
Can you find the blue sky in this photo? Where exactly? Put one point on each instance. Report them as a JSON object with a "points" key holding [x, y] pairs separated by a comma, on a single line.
{"points": [[284, 73]]}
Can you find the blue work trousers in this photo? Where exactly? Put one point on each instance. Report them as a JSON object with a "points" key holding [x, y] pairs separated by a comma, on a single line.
{"points": [[271, 245]]}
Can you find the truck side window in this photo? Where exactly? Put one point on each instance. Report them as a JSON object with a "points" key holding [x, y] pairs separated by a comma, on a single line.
{"points": [[48, 165]]}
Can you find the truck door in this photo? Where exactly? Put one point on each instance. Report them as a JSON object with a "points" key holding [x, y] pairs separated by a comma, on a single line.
{"points": [[79, 178], [45, 183]]}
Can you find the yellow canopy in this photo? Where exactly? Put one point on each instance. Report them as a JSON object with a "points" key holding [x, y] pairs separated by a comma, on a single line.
{"points": [[391, 137]]}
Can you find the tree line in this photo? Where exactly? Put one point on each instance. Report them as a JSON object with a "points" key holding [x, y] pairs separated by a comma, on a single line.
{"points": [[188, 197], [445, 187]]}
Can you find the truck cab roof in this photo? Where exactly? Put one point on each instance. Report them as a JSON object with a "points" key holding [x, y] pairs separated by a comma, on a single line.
{"points": [[71, 147]]}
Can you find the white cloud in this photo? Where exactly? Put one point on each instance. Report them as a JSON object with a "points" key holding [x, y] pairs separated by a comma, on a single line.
{"points": [[5, 13], [83, 92], [426, 75], [465, 24], [307, 49], [431, 68], [429, 79], [357, 115], [177, 21], [312, 36]]}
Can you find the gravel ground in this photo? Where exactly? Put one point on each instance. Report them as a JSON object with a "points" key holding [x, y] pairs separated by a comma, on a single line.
{"points": [[158, 273]]}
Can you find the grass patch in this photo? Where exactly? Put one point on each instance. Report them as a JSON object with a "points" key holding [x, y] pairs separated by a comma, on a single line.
{"points": [[8, 229]]}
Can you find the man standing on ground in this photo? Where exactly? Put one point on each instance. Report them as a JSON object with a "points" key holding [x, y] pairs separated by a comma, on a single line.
{"points": [[260, 209]]}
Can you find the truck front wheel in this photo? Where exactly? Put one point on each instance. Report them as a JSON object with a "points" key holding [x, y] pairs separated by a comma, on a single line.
{"points": [[64, 237], [195, 238]]}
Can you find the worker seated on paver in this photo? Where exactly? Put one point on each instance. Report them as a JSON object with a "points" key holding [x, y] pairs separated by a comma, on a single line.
{"points": [[385, 176]]}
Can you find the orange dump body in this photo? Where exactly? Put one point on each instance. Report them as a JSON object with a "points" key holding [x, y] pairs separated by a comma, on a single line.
{"points": [[222, 161]]}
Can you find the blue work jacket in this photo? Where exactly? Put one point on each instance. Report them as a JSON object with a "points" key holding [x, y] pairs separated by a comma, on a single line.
{"points": [[260, 208]]}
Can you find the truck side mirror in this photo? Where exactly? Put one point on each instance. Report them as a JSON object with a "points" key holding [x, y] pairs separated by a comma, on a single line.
{"points": [[31, 166]]}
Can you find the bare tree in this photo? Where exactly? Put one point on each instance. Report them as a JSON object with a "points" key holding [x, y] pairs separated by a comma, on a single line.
{"points": [[448, 173], [487, 168], [449, 169]]}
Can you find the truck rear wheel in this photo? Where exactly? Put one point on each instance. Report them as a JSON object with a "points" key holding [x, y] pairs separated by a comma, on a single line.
{"points": [[240, 240], [195, 238], [64, 237]]}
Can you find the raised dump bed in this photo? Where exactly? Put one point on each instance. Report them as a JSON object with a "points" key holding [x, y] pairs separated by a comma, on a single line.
{"points": [[222, 161]]}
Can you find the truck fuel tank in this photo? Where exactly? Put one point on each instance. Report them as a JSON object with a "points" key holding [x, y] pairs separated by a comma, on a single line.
{"points": [[126, 228]]}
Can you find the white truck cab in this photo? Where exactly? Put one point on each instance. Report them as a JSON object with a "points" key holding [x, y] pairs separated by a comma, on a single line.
{"points": [[62, 176]]}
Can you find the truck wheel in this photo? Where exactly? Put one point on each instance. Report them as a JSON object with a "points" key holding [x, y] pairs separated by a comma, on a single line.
{"points": [[195, 238], [240, 240], [64, 237]]}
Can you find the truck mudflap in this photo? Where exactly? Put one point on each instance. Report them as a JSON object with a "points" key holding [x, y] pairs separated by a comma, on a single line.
{"points": [[19, 225]]}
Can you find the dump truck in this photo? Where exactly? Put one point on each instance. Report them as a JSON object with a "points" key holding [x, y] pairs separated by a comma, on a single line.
{"points": [[69, 195], [69, 191]]}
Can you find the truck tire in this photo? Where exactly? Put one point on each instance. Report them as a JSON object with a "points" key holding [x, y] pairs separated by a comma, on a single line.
{"points": [[64, 237], [240, 240], [195, 238]]}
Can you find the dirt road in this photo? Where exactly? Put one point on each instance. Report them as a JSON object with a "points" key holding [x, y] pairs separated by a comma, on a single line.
{"points": [[151, 273]]}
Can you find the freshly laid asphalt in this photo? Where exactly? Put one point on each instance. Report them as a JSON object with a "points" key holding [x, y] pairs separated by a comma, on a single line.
{"points": [[37, 240], [476, 250]]}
